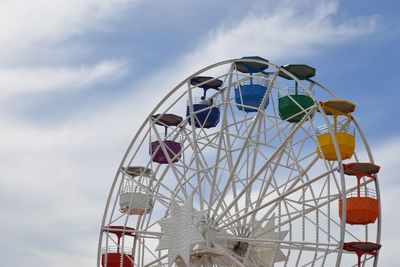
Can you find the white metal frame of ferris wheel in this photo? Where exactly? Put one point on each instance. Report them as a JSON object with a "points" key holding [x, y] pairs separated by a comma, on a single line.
{"points": [[230, 215]]}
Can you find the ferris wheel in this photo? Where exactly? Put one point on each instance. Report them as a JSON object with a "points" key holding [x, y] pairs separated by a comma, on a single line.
{"points": [[245, 163]]}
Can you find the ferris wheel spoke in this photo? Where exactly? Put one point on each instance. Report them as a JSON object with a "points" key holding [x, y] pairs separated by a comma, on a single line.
{"points": [[227, 144], [315, 259], [224, 96], [259, 199], [195, 147], [236, 121], [146, 249], [293, 163], [262, 169], [242, 184], [307, 245], [292, 182], [239, 123], [201, 164], [310, 130], [302, 142], [252, 170], [327, 252], [309, 156], [117, 217], [335, 178], [160, 183], [311, 221], [278, 204], [157, 261], [323, 189], [266, 182], [309, 187], [348, 232], [218, 180], [277, 199], [238, 134], [253, 125], [278, 137], [291, 155], [203, 139], [313, 208]]}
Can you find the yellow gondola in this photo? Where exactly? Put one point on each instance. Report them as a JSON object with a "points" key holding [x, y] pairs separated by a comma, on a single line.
{"points": [[344, 134]]}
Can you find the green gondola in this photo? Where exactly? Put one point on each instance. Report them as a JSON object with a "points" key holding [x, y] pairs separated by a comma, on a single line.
{"points": [[295, 102]]}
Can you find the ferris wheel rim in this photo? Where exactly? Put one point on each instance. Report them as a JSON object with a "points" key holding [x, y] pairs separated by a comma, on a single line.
{"points": [[232, 61]]}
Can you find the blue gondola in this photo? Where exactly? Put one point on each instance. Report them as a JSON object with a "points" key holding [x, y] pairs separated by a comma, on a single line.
{"points": [[248, 97], [250, 94], [206, 114]]}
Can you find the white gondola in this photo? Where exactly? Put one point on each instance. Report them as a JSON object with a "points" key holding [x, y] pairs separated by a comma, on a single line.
{"points": [[136, 203]]}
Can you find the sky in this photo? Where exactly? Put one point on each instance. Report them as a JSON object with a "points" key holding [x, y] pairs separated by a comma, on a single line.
{"points": [[78, 77]]}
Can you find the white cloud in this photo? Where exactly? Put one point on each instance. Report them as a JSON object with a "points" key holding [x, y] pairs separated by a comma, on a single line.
{"points": [[29, 26], [40, 79], [386, 155], [290, 29], [35, 52]]}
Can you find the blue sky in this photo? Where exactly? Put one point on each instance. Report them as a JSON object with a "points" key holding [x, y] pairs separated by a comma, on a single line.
{"points": [[74, 74]]}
